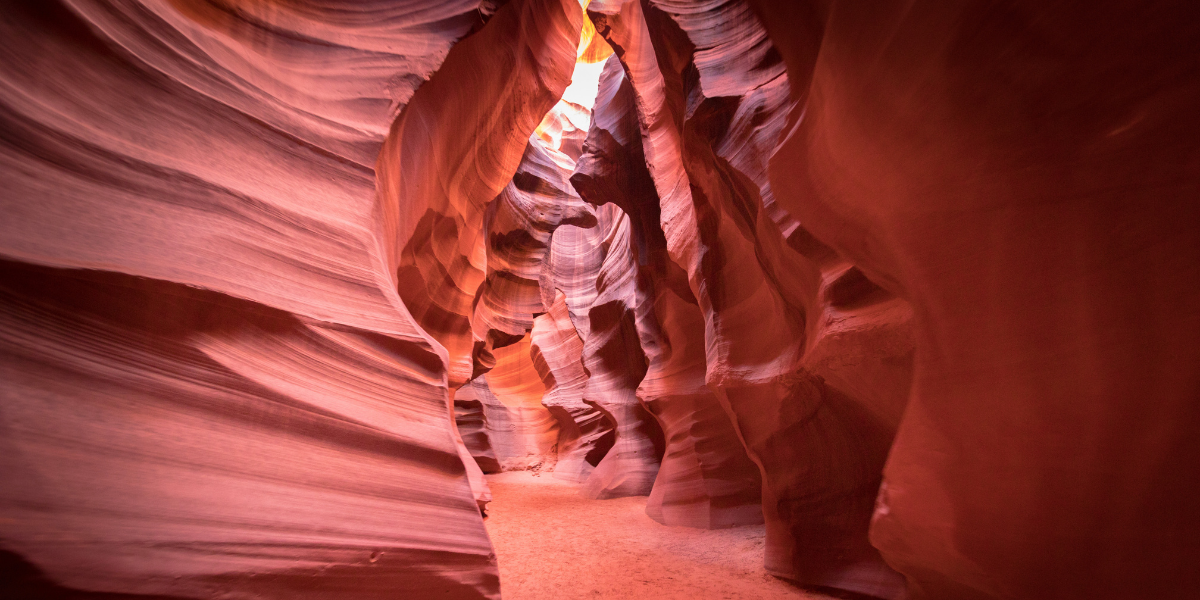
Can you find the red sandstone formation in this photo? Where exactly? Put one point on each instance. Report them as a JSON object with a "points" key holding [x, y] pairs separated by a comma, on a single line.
{"points": [[614, 358], [705, 479], [1026, 177], [820, 448], [915, 284], [512, 397], [450, 153], [471, 421], [210, 383], [585, 434]]}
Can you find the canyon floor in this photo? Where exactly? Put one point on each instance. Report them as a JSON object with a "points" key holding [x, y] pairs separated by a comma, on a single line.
{"points": [[552, 543]]}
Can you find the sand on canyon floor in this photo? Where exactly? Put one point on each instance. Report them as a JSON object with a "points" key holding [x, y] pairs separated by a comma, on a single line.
{"points": [[552, 543]]}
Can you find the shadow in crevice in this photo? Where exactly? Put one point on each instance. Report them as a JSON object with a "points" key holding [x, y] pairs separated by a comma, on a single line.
{"points": [[23, 580]]}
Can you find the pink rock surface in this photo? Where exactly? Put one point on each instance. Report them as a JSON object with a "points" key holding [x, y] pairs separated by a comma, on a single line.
{"points": [[595, 271], [585, 433], [449, 155], [705, 478], [470, 418], [162, 439], [231, 398], [524, 432], [613, 355]]}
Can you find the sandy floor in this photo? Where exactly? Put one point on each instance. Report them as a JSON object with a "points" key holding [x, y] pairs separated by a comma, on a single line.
{"points": [[553, 544]]}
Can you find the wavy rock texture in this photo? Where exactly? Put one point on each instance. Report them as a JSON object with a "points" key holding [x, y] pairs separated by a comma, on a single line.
{"points": [[450, 153], [1022, 175], [161, 439], [585, 434], [613, 355], [231, 398], [471, 421], [710, 95], [519, 223], [705, 479], [512, 396]]}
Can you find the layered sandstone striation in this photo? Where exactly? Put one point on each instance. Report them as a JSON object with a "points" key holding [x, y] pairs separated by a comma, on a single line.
{"points": [[211, 386], [585, 433], [705, 479], [451, 153], [755, 296]]}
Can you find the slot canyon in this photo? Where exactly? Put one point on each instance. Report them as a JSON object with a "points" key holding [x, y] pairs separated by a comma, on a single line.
{"points": [[523, 299]]}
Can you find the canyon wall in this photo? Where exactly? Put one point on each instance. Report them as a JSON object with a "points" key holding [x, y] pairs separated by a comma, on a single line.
{"points": [[211, 385], [1025, 175]]}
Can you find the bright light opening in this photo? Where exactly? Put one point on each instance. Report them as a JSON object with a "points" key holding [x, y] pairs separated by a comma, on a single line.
{"points": [[564, 128]]}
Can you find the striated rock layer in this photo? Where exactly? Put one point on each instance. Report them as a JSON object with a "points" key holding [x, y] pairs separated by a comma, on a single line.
{"points": [[585, 434], [705, 479], [756, 286], [162, 439], [451, 152], [232, 397]]}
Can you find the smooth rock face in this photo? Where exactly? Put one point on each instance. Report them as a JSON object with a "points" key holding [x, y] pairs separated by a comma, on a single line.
{"points": [[1025, 175], [512, 398], [914, 284], [162, 439], [470, 418]]}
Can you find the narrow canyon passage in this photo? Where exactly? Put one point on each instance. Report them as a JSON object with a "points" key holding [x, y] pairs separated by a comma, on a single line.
{"points": [[552, 543], [523, 299]]}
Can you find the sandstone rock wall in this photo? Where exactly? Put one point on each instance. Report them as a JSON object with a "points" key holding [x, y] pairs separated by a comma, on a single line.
{"points": [[708, 96], [1025, 176], [211, 385]]}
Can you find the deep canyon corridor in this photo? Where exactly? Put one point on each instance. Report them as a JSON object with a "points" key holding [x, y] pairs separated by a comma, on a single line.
{"points": [[557, 299]]}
